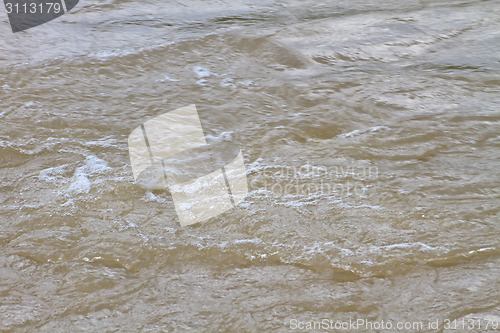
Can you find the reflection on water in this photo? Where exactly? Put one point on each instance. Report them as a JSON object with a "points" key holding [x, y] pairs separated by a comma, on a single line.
{"points": [[370, 134]]}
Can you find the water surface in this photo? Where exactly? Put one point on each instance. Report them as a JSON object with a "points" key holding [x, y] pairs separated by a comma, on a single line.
{"points": [[371, 137]]}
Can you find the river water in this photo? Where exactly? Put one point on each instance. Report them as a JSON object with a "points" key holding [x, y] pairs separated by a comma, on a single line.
{"points": [[370, 133]]}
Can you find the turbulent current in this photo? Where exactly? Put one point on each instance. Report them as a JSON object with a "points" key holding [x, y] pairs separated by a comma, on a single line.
{"points": [[370, 132]]}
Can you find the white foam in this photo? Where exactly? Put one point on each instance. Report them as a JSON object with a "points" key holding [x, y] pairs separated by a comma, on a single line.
{"points": [[251, 241], [363, 131], [105, 142], [202, 72], [151, 197], [222, 137], [228, 83], [167, 79], [103, 55], [50, 174], [95, 165], [81, 183], [422, 246]]}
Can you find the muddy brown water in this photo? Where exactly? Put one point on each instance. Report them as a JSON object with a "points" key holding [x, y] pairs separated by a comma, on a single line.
{"points": [[371, 138]]}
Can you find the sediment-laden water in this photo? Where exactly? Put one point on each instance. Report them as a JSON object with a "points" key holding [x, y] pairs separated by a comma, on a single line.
{"points": [[370, 133]]}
